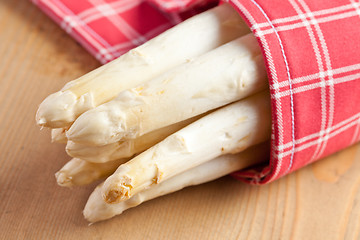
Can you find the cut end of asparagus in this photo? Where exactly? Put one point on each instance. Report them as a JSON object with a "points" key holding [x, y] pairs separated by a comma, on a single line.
{"points": [[118, 190], [60, 109], [97, 210], [112, 196], [63, 179]]}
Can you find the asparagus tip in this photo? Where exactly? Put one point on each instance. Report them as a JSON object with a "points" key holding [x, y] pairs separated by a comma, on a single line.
{"points": [[57, 110], [41, 121], [63, 180], [92, 127]]}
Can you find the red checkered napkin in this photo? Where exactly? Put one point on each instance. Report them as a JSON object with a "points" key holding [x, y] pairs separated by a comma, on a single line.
{"points": [[312, 53], [109, 28], [311, 49]]}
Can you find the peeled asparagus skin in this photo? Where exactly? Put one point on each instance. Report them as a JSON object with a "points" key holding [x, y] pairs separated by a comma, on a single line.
{"points": [[224, 75], [230, 129], [123, 149], [97, 210], [58, 135], [79, 172], [187, 40]]}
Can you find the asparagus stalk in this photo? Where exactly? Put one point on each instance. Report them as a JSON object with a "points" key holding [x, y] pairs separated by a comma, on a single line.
{"points": [[97, 210], [187, 40], [224, 75], [123, 149], [230, 129], [79, 172]]}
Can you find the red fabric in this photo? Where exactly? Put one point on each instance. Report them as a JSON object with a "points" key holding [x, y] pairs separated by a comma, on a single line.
{"points": [[311, 49], [109, 28], [312, 54]]}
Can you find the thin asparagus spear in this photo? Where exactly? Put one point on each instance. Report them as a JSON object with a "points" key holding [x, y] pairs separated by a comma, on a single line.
{"points": [[187, 40], [123, 149], [58, 135], [79, 172], [221, 76], [230, 129], [97, 210]]}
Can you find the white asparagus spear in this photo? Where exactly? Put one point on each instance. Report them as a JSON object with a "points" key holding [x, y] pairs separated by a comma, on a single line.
{"points": [[123, 149], [99, 154], [97, 210], [187, 40], [79, 172], [224, 75], [230, 129], [58, 135]]}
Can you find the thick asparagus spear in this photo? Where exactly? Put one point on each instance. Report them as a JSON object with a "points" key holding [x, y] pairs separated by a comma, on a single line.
{"points": [[123, 149], [79, 172], [224, 75], [187, 40], [230, 129], [97, 210]]}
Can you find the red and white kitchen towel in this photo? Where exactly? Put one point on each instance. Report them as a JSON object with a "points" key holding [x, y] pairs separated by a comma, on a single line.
{"points": [[311, 49]]}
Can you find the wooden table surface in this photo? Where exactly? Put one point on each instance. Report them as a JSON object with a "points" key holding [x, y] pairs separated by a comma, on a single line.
{"points": [[321, 201]]}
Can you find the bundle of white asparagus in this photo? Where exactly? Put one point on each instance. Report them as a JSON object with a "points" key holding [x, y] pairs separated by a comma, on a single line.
{"points": [[176, 111]]}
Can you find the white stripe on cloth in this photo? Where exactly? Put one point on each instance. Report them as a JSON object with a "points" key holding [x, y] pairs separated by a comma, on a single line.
{"points": [[121, 48], [290, 87], [356, 132], [92, 41], [312, 86], [329, 84], [319, 20], [123, 26], [315, 14], [320, 64], [97, 12], [315, 76], [356, 6], [326, 138], [89, 38], [341, 125]]}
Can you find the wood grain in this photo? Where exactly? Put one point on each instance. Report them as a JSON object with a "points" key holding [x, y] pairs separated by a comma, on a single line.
{"points": [[321, 201]]}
